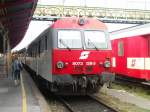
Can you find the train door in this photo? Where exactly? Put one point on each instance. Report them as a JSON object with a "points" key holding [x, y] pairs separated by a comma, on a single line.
{"points": [[147, 60], [148, 46], [121, 63]]}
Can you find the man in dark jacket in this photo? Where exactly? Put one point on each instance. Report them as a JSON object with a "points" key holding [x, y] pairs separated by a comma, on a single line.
{"points": [[16, 67]]}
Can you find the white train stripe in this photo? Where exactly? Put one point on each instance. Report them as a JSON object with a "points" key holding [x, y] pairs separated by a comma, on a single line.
{"points": [[113, 62], [138, 63], [147, 63], [135, 63]]}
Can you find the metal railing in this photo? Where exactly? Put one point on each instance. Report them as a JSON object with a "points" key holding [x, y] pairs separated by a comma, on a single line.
{"points": [[105, 14]]}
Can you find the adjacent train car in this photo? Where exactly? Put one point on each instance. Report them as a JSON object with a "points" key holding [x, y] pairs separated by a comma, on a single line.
{"points": [[131, 52], [72, 56]]}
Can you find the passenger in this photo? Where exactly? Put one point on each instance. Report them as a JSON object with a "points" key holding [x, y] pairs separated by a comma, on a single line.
{"points": [[16, 67]]}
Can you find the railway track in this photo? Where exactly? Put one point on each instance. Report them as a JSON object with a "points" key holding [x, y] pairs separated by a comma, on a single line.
{"points": [[74, 103], [85, 104], [128, 81], [132, 86]]}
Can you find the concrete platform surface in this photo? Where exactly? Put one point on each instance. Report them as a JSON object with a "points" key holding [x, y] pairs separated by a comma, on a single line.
{"points": [[21, 98], [129, 98], [10, 96]]}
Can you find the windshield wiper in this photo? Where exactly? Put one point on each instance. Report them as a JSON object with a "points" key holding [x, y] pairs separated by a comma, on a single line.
{"points": [[89, 41], [64, 44]]}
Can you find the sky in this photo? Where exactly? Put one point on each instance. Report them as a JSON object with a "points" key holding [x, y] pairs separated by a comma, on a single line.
{"points": [[36, 27], [129, 4]]}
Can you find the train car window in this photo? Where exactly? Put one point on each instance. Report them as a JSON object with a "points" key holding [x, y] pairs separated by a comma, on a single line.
{"points": [[34, 50], [45, 42], [28, 51], [39, 48], [120, 48], [69, 39], [42, 45], [31, 51], [95, 39]]}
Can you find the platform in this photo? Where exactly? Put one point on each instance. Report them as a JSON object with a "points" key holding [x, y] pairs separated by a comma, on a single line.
{"points": [[22, 98], [128, 98]]}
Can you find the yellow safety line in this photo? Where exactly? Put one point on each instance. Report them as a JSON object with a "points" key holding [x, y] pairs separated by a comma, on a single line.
{"points": [[24, 100]]}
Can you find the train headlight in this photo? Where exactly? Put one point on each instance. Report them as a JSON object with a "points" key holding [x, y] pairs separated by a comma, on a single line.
{"points": [[60, 64], [107, 64]]}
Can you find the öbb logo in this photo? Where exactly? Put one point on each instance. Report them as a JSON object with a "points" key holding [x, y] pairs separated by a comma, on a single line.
{"points": [[84, 55], [133, 62]]}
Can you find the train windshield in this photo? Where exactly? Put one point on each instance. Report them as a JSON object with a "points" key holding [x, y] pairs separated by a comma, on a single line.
{"points": [[69, 39], [95, 39]]}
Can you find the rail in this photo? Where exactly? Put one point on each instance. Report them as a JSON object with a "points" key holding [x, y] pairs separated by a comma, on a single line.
{"points": [[84, 104]]}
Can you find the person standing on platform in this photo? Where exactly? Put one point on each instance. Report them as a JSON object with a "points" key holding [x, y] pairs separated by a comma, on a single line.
{"points": [[16, 67]]}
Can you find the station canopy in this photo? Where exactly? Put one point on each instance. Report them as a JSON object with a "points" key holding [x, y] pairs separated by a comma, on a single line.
{"points": [[15, 16]]}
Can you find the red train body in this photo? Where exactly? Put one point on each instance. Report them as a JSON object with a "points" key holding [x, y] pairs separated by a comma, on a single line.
{"points": [[131, 55], [72, 56]]}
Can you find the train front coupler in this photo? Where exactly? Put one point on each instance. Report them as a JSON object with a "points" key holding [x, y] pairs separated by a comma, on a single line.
{"points": [[82, 82]]}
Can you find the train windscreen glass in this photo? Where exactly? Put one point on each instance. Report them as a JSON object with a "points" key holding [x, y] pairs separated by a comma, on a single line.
{"points": [[69, 39], [95, 40]]}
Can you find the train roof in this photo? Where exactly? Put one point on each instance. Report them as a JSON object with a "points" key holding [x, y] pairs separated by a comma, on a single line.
{"points": [[138, 30], [74, 23]]}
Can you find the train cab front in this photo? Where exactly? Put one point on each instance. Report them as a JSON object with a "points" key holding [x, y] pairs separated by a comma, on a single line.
{"points": [[81, 60]]}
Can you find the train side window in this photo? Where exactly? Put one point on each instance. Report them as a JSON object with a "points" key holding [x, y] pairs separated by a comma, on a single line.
{"points": [[39, 48], [120, 48], [33, 51], [36, 48], [45, 42], [42, 45]]}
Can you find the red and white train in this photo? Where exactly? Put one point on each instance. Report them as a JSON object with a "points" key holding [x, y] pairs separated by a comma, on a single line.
{"points": [[72, 56], [131, 52]]}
